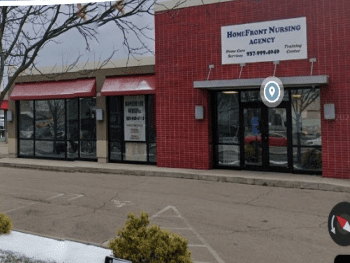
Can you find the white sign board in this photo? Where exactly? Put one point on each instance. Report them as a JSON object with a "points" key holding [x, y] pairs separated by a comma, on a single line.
{"points": [[134, 118], [265, 41]]}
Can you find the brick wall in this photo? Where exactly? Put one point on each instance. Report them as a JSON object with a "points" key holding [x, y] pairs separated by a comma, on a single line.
{"points": [[189, 39]]}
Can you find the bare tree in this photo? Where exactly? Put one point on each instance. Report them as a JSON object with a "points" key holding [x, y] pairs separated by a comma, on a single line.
{"points": [[25, 30]]}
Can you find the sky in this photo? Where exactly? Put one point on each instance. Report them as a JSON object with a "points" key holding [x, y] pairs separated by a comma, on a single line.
{"points": [[110, 38]]}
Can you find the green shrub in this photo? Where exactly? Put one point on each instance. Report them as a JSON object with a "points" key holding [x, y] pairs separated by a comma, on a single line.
{"points": [[5, 223], [139, 244], [312, 159]]}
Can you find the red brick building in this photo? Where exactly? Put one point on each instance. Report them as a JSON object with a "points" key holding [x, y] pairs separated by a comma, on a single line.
{"points": [[189, 39], [200, 106]]}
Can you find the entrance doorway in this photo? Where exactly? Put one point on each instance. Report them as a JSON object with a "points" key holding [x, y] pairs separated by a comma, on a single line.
{"points": [[266, 137], [249, 135]]}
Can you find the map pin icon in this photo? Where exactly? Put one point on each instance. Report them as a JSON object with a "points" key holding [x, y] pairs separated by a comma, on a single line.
{"points": [[272, 90]]}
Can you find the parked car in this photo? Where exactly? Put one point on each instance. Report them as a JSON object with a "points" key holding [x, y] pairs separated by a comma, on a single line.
{"points": [[27, 133], [47, 132], [275, 139], [316, 142]]}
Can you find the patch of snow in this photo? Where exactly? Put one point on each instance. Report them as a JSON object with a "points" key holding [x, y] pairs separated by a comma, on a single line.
{"points": [[43, 248]]}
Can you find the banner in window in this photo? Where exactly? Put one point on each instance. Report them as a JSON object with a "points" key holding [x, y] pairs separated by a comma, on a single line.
{"points": [[134, 118]]}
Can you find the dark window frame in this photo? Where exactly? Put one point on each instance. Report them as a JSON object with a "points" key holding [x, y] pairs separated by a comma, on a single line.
{"points": [[34, 139], [121, 139], [291, 146]]}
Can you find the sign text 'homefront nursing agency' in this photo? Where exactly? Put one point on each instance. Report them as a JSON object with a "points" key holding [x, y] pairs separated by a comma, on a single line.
{"points": [[134, 118], [265, 41]]}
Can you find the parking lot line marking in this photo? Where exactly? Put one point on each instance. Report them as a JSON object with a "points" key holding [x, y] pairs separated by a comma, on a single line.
{"points": [[200, 262], [161, 211], [54, 197], [27, 189], [8, 211], [211, 250], [75, 197]]}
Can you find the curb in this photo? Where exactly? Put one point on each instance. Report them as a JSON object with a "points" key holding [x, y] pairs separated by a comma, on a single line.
{"points": [[285, 183]]}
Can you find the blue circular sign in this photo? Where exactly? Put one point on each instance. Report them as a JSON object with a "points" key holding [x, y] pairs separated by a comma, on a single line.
{"points": [[272, 91]]}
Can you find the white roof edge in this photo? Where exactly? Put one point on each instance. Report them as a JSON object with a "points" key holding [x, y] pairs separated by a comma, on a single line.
{"points": [[177, 4], [115, 63]]}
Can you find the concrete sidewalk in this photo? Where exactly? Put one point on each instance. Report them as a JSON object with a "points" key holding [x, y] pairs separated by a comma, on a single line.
{"points": [[230, 176]]}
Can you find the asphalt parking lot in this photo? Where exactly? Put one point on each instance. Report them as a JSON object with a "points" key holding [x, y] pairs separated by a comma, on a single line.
{"points": [[223, 222]]}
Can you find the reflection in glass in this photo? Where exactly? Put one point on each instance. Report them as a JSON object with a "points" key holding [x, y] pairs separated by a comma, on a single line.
{"points": [[50, 119], [306, 117], [249, 96], [115, 119], [72, 120], [88, 149], [252, 136], [229, 155], [72, 149], [26, 148], [88, 118], [50, 149], [227, 117], [135, 152], [254, 95], [311, 158], [278, 137], [152, 152], [26, 120], [116, 151]]}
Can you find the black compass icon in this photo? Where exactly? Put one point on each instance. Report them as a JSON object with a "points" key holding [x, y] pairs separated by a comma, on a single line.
{"points": [[339, 224]]}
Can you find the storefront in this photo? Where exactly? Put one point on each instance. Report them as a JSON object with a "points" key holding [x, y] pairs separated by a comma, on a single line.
{"points": [[131, 118], [108, 117], [56, 119], [4, 105], [214, 56], [288, 137]]}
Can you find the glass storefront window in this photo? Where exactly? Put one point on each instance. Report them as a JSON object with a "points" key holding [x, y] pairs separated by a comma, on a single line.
{"points": [[311, 158], [50, 149], [228, 155], [254, 95], [228, 118], [298, 116], [132, 135], [26, 148], [47, 121], [72, 120], [135, 152], [50, 119], [306, 118], [26, 120], [88, 118], [251, 95]]}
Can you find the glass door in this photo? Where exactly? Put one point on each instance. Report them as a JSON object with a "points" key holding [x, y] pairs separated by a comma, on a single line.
{"points": [[265, 137], [278, 142], [254, 137]]}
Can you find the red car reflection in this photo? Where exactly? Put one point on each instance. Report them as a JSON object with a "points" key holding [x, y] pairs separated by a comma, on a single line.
{"points": [[274, 140]]}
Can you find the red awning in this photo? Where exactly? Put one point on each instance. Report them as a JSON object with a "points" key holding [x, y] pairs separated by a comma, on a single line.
{"points": [[136, 85], [4, 105], [54, 90]]}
